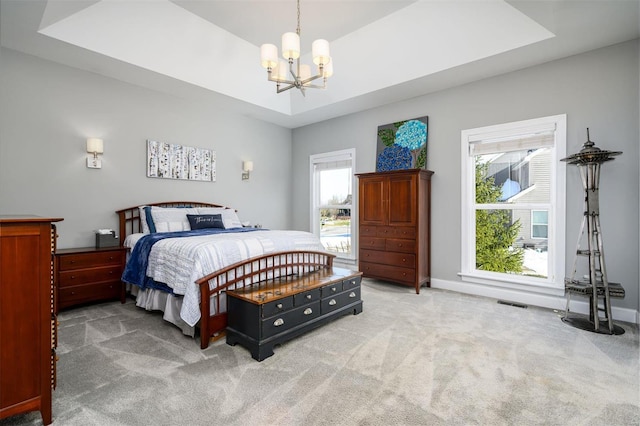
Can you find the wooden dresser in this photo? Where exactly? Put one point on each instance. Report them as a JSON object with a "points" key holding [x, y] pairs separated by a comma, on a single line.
{"points": [[274, 311], [89, 275], [394, 213], [28, 324]]}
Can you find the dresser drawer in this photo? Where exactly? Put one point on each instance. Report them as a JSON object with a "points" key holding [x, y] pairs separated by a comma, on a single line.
{"points": [[372, 243], [368, 231], [405, 260], [74, 295], [286, 320], [408, 232], [340, 300], [392, 273], [87, 260], [398, 245], [84, 276]]}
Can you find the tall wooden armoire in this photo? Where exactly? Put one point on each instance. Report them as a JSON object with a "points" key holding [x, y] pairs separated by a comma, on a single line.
{"points": [[27, 320], [394, 212]]}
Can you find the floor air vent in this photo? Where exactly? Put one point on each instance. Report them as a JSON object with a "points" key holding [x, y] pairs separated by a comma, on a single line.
{"points": [[517, 305]]}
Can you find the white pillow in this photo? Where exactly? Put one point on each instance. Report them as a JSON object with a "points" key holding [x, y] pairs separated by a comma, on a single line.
{"points": [[171, 219], [229, 216], [143, 220], [231, 219]]}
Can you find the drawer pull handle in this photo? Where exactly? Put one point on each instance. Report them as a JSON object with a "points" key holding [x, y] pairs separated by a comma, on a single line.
{"points": [[308, 311], [279, 306], [333, 289], [308, 296], [352, 294], [332, 302], [278, 322]]}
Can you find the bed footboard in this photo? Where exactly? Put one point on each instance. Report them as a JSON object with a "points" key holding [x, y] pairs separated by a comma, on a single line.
{"points": [[246, 273]]}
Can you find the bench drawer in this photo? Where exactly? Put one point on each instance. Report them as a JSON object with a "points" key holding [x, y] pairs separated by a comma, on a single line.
{"points": [[286, 320], [340, 300]]}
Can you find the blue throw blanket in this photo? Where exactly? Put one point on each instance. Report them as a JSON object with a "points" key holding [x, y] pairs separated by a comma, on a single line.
{"points": [[135, 271]]}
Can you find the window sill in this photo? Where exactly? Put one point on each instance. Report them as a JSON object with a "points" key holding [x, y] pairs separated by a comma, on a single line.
{"points": [[523, 284]]}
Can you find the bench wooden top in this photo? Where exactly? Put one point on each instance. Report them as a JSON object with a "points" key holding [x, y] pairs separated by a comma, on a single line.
{"points": [[278, 288]]}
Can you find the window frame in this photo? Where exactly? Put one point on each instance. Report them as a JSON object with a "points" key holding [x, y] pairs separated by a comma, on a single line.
{"points": [[554, 283], [314, 216]]}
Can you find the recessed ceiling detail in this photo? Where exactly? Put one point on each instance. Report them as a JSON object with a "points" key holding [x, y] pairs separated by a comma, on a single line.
{"points": [[413, 41]]}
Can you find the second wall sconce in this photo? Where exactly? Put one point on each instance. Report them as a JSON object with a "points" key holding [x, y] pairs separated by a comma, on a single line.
{"points": [[247, 168], [95, 146]]}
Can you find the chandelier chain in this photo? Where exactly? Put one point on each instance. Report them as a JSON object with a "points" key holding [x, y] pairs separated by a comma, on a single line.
{"points": [[298, 28]]}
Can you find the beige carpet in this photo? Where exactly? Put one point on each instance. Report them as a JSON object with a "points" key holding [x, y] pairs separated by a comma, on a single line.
{"points": [[438, 358]]}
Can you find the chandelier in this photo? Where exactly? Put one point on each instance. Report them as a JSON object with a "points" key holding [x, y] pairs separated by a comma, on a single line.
{"points": [[284, 74]]}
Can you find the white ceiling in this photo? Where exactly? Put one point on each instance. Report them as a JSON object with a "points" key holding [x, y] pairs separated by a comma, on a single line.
{"points": [[383, 51]]}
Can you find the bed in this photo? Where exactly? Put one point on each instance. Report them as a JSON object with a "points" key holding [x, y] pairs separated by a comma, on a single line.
{"points": [[174, 244]]}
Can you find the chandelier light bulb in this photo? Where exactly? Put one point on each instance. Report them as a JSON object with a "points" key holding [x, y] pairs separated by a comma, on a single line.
{"points": [[327, 70]]}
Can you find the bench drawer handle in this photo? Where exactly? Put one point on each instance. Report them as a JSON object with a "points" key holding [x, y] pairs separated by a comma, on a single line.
{"points": [[308, 311], [332, 302], [309, 296], [333, 289], [352, 294], [278, 322], [279, 306]]}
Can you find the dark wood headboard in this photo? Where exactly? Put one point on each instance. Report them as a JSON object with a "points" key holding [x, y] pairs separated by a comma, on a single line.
{"points": [[130, 217]]}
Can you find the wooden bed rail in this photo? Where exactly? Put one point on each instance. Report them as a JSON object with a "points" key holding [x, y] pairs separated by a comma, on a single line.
{"points": [[246, 273], [129, 218]]}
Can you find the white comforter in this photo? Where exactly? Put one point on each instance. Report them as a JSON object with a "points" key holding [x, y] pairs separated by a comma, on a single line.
{"points": [[179, 262]]}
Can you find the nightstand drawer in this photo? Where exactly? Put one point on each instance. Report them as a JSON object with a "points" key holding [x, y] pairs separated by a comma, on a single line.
{"points": [[87, 260], [84, 276], [74, 295]]}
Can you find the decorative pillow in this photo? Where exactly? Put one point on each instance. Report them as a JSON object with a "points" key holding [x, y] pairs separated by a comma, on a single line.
{"points": [[170, 219], [205, 221], [229, 216]]}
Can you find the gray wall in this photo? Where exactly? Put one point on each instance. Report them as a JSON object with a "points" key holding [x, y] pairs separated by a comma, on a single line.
{"points": [[48, 110], [597, 89]]}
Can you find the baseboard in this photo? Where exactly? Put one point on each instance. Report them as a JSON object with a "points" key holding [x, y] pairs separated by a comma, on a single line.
{"points": [[541, 300]]}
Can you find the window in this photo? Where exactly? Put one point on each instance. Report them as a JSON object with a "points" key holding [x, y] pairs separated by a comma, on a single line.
{"points": [[331, 201], [539, 224], [513, 205]]}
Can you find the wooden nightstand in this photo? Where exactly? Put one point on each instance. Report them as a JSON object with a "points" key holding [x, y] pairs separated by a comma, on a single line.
{"points": [[89, 274]]}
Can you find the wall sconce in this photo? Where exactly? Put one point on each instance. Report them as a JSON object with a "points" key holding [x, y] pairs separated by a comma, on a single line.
{"points": [[95, 146], [247, 167]]}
